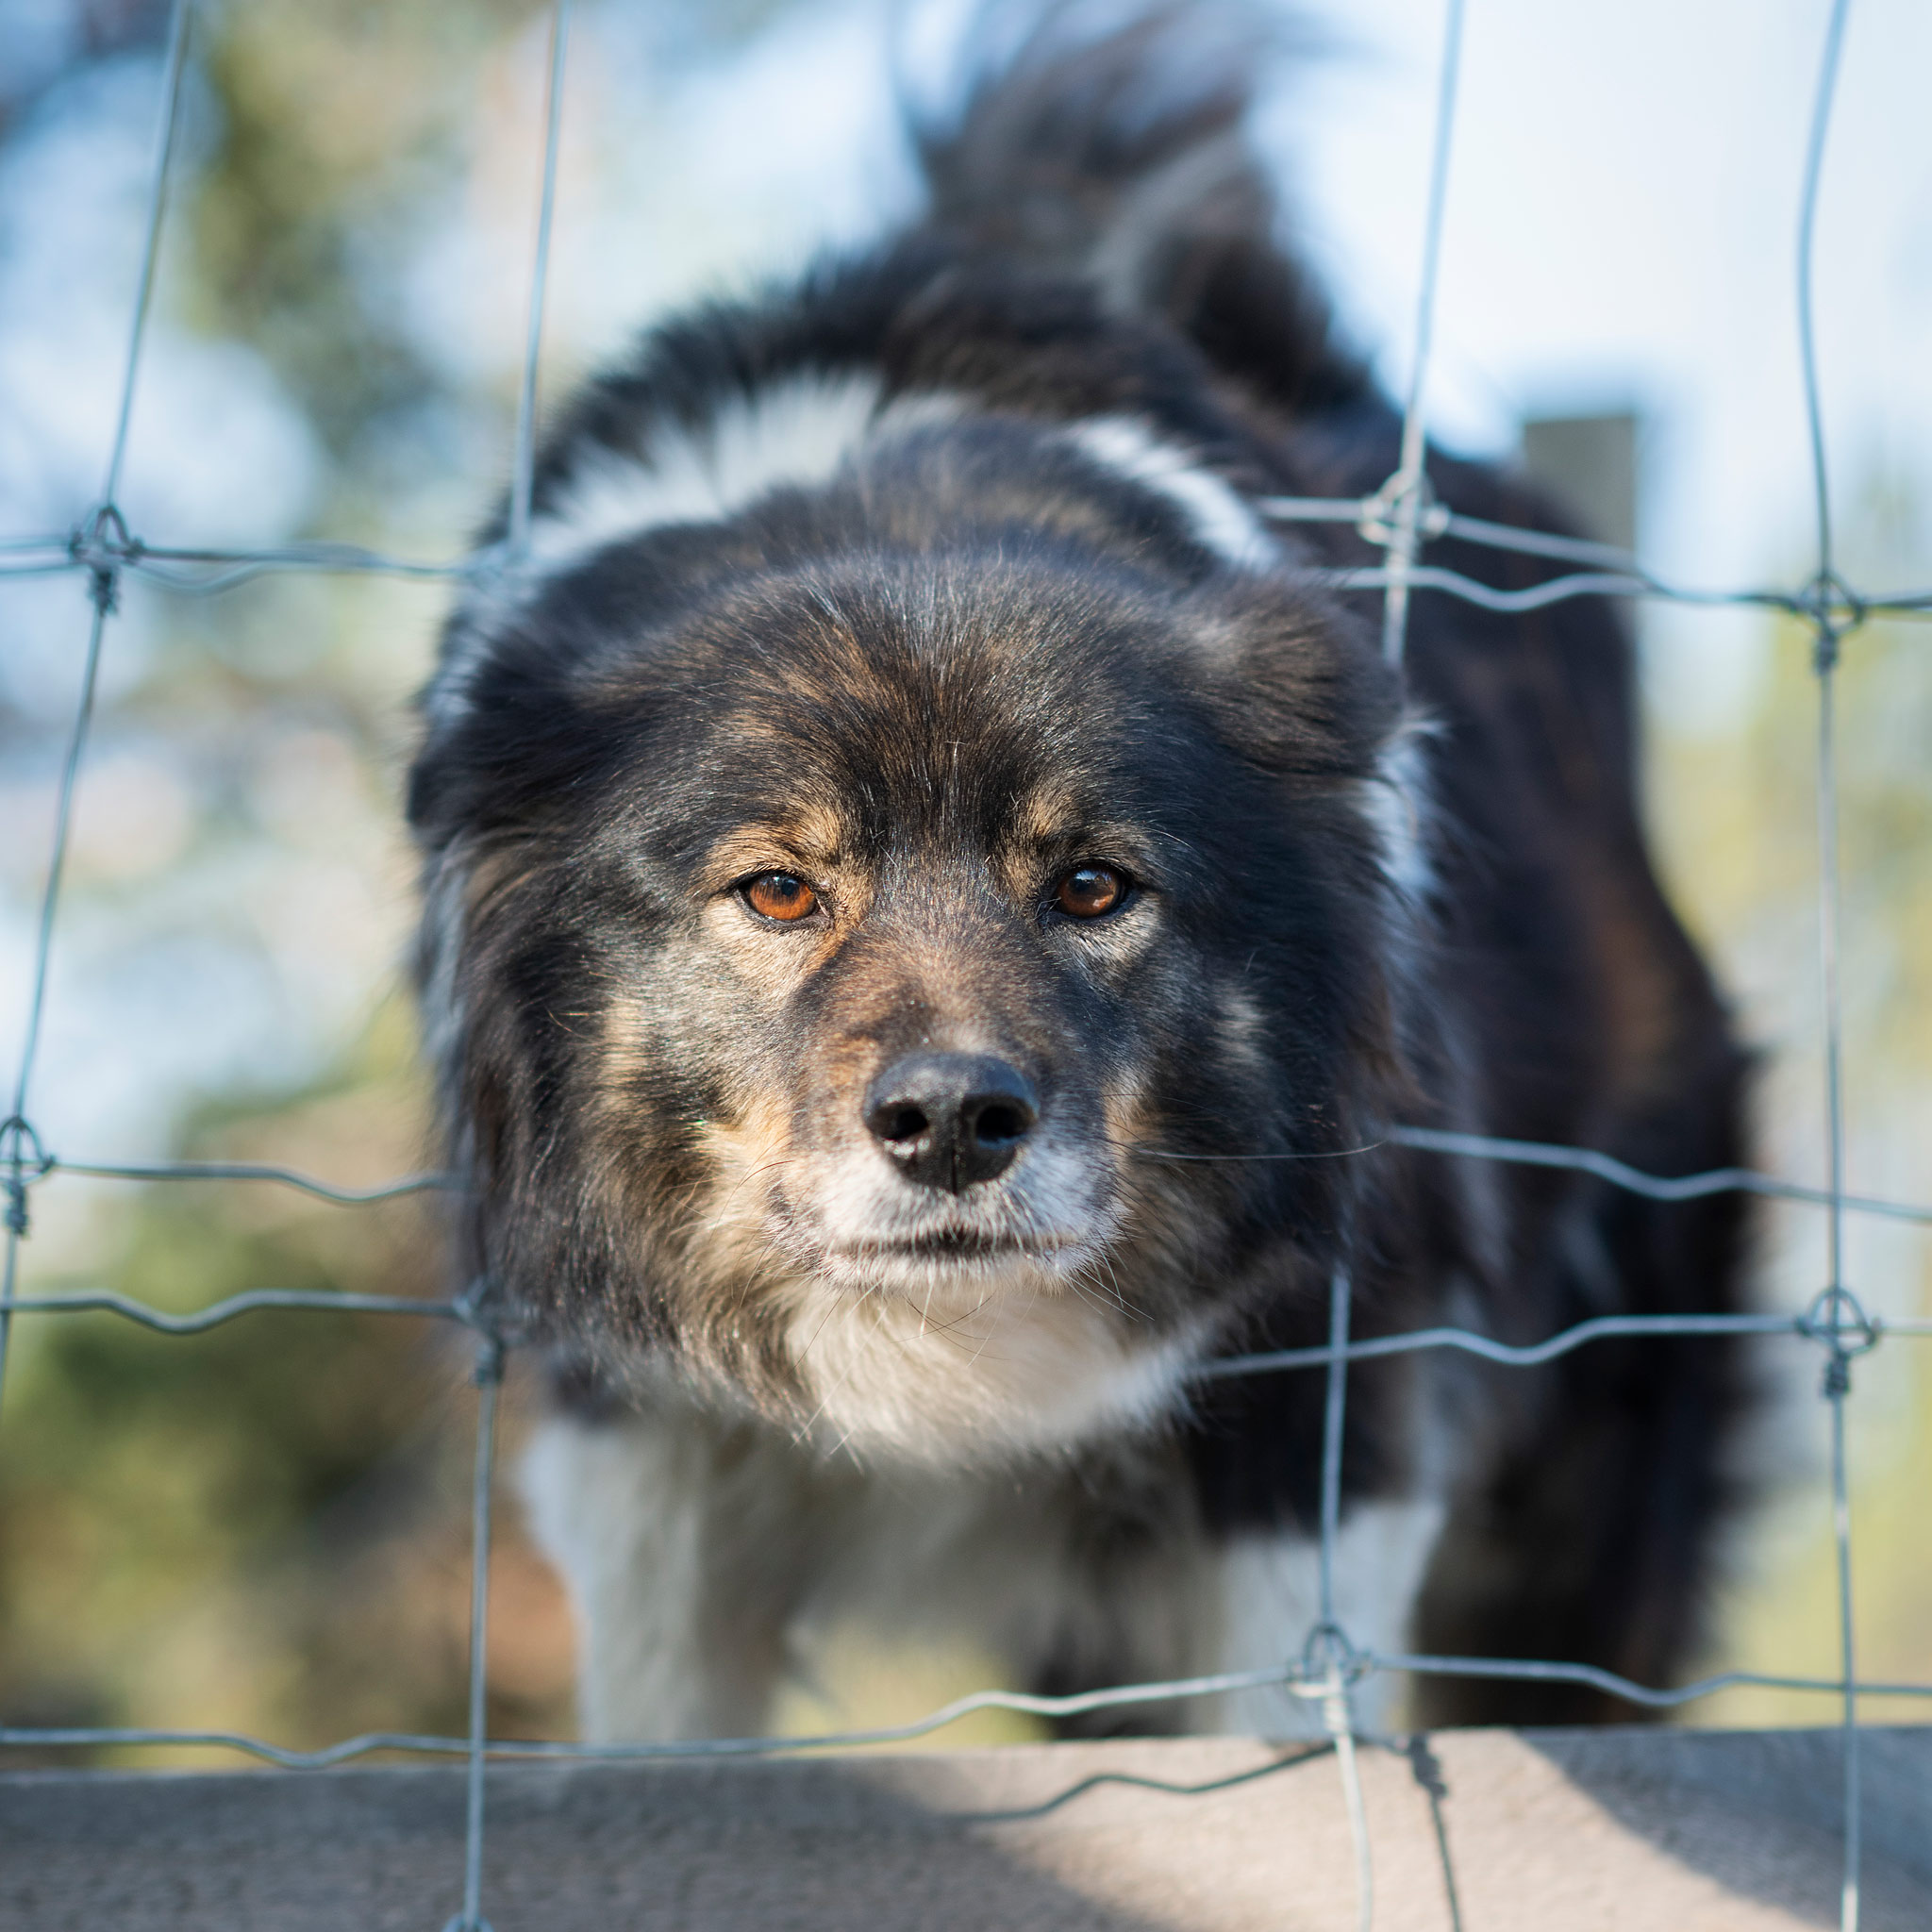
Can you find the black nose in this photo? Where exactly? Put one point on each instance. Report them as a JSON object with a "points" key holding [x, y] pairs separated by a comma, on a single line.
{"points": [[950, 1120]]}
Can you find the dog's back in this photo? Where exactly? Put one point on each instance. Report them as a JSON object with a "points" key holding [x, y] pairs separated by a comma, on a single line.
{"points": [[1063, 399]]}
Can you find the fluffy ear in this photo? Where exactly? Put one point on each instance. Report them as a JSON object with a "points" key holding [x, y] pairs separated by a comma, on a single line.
{"points": [[1306, 696], [491, 764], [1301, 682]]}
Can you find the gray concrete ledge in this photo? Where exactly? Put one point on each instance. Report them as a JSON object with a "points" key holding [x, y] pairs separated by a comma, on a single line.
{"points": [[1563, 1831]]}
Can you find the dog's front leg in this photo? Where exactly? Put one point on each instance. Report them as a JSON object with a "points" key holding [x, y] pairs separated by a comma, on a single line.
{"points": [[681, 1542]]}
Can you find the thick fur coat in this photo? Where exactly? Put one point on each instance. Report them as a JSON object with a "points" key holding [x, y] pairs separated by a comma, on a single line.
{"points": [[930, 905]]}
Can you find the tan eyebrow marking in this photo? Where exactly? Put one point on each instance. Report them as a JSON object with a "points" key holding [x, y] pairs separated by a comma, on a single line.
{"points": [[816, 837]]}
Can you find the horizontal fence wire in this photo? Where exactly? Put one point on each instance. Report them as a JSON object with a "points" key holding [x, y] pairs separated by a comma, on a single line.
{"points": [[37, 1166], [1610, 571], [1291, 1677], [249, 1301], [1851, 1321], [1401, 521]]}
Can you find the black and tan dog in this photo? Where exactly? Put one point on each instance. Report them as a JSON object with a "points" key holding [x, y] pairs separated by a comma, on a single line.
{"points": [[930, 907]]}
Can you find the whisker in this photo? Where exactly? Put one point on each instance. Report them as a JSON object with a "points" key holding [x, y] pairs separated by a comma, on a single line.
{"points": [[1330, 1154]]}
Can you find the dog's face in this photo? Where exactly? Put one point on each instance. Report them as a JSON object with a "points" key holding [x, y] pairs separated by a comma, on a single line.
{"points": [[856, 987]]}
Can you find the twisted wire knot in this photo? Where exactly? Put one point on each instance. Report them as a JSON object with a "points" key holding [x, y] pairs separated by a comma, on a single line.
{"points": [[1838, 1319], [478, 1307], [1381, 513], [28, 1160], [103, 546], [1834, 609], [1329, 1659]]}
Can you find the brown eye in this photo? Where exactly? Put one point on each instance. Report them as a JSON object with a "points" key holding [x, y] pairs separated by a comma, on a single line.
{"points": [[780, 895], [1091, 892]]}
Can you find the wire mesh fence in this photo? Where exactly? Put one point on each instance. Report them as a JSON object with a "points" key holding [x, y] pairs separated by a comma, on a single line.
{"points": [[1402, 521]]}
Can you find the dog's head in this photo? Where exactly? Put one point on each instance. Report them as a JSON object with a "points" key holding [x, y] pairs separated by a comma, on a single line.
{"points": [[897, 971]]}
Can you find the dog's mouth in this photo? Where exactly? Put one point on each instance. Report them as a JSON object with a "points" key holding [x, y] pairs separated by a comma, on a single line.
{"points": [[947, 1244], [960, 1245], [976, 1259], [860, 1225]]}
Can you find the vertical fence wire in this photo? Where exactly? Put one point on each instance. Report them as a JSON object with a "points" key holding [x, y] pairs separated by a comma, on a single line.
{"points": [[103, 589], [1837, 1383], [525, 466], [490, 1368], [1329, 1649], [489, 1380], [20, 1135], [1334, 1418], [1406, 492], [1837, 1386], [1404, 496], [157, 197]]}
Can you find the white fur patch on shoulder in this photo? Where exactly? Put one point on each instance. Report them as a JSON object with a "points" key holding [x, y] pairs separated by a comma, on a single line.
{"points": [[794, 433], [1396, 805], [1219, 516], [797, 432]]}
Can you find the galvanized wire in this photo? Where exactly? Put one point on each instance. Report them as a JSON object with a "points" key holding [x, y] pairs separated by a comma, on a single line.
{"points": [[203, 570], [250, 1301], [38, 1166], [1837, 1381], [488, 1383], [1362, 1665], [150, 255], [1400, 520], [103, 589], [523, 469], [16, 1133], [250, 1171], [1406, 492], [1329, 1646]]}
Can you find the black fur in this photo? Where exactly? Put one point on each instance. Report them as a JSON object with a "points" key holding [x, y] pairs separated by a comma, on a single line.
{"points": [[971, 616]]}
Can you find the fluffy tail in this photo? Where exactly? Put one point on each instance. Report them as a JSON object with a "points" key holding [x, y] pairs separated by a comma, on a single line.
{"points": [[1120, 152]]}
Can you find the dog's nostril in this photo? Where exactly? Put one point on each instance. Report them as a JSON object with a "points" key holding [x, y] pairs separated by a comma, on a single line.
{"points": [[998, 1126], [950, 1120]]}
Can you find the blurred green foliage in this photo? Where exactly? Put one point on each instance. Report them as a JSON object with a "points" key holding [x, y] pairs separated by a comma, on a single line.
{"points": [[1735, 819]]}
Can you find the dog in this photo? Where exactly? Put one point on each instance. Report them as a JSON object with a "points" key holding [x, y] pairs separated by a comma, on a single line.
{"points": [[933, 901]]}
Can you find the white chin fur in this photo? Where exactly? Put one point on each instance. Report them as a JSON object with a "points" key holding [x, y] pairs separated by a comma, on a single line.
{"points": [[1032, 1364], [945, 1285], [969, 1356]]}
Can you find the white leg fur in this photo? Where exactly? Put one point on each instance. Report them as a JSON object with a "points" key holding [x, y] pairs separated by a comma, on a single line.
{"points": [[1274, 1596], [694, 1551], [674, 1541]]}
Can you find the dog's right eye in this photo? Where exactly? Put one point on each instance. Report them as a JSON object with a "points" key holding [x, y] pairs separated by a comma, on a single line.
{"points": [[1091, 892], [779, 895]]}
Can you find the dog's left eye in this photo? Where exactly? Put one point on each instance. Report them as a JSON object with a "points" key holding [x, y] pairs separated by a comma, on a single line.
{"points": [[1091, 892], [779, 895]]}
